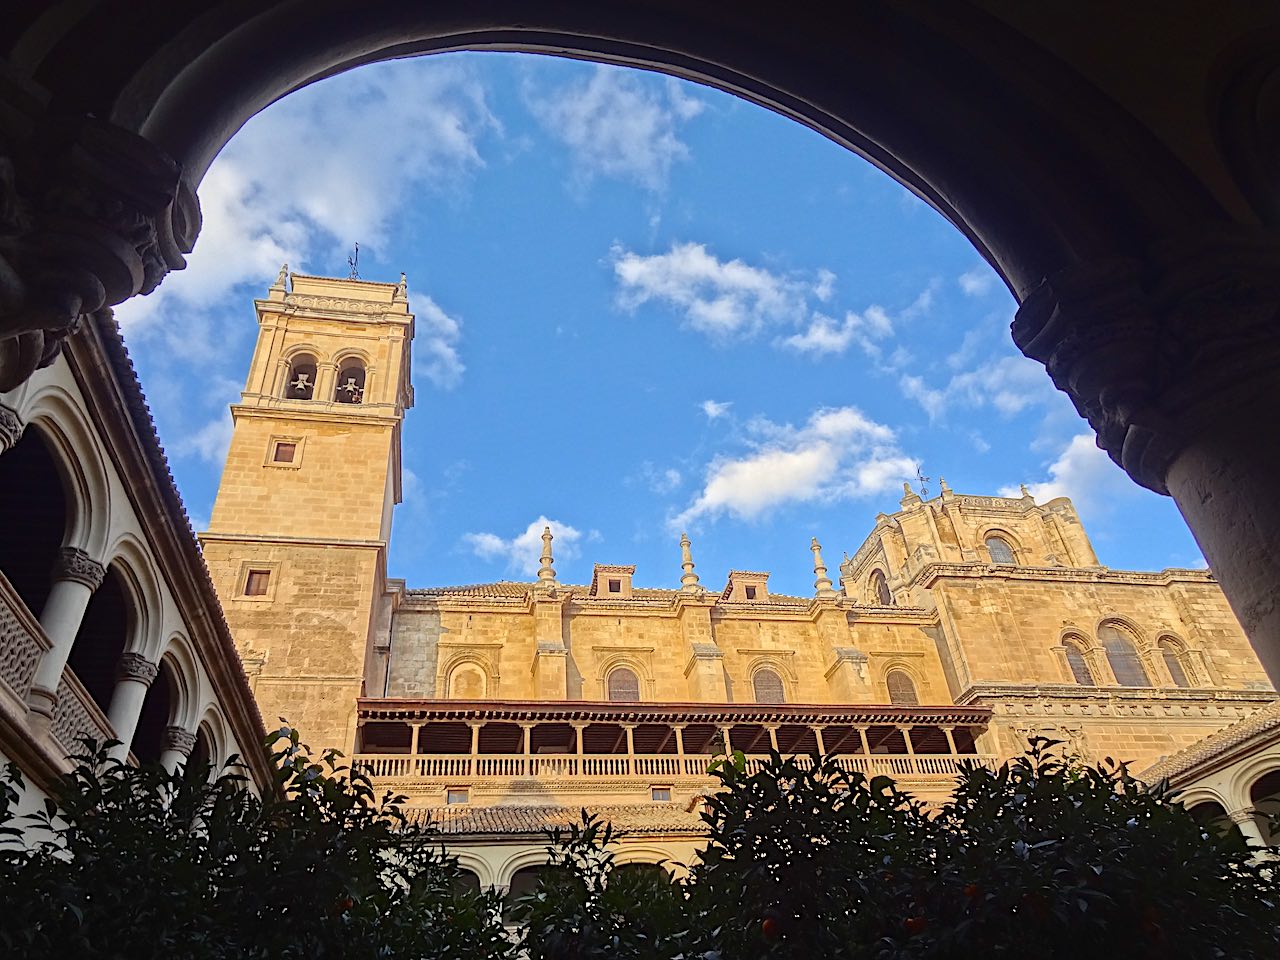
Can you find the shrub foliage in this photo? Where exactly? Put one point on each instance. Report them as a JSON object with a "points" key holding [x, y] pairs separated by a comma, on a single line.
{"points": [[1041, 858]]}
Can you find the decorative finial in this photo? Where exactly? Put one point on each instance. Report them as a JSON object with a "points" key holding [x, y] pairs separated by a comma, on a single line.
{"points": [[906, 489], [282, 277], [942, 482], [822, 583], [689, 579], [546, 573], [402, 288], [1023, 488]]}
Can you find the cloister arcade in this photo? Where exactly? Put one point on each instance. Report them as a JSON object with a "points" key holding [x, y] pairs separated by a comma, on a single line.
{"points": [[94, 642]]}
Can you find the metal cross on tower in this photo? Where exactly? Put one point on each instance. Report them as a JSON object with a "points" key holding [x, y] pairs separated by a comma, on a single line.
{"points": [[924, 481]]}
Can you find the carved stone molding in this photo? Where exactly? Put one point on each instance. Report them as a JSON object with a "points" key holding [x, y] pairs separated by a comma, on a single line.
{"points": [[134, 666], [73, 563], [179, 740], [11, 427], [90, 215], [1155, 351]]}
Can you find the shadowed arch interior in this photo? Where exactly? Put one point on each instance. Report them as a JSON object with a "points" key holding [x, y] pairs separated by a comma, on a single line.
{"points": [[102, 638], [35, 518], [156, 716]]}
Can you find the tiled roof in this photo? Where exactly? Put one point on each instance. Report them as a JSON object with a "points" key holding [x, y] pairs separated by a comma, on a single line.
{"points": [[514, 588], [512, 819], [1264, 722]]}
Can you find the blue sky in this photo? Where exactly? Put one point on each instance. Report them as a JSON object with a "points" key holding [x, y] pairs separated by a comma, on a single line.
{"points": [[643, 306]]}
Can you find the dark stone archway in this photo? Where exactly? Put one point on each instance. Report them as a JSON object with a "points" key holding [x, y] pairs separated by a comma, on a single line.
{"points": [[1118, 173]]}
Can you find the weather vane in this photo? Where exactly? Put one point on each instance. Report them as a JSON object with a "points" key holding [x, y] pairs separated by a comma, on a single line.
{"points": [[924, 489], [353, 262]]}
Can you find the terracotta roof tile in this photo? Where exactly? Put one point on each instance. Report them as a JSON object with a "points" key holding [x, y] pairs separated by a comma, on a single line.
{"points": [[1260, 723]]}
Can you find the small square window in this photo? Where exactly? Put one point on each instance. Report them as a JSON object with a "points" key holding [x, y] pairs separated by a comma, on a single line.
{"points": [[256, 583], [457, 795], [751, 593], [284, 452], [615, 586], [660, 794]]}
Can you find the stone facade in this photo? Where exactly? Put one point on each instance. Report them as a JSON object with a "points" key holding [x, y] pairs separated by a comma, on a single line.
{"points": [[960, 627]]}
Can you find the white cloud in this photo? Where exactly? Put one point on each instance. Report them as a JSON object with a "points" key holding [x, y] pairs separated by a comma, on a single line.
{"points": [[826, 336], [660, 481], [714, 409], [209, 443], [521, 553], [717, 297], [435, 343], [976, 282], [619, 123], [837, 454], [1083, 473], [1006, 384]]}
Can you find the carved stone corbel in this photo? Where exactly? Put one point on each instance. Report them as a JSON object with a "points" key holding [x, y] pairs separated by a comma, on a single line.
{"points": [[1153, 351], [134, 666], [90, 215], [179, 740], [11, 427]]}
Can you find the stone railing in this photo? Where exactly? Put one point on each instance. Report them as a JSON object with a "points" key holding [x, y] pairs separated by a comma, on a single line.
{"points": [[565, 766], [22, 643], [76, 715]]}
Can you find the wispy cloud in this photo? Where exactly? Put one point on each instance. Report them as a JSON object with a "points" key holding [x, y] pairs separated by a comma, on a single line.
{"points": [[715, 409], [660, 480], [839, 453], [520, 553], [619, 124], [977, 282], [435, 343], [1006, 384]]}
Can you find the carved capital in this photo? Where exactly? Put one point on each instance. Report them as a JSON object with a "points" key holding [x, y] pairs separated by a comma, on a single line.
{"points": [[90, 215], [179, 740], [73, 563], [11, 427], [134, 666], [1155, 351]]}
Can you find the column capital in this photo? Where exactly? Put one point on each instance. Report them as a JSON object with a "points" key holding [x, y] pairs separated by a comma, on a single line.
{"points": [[11, 427], [72, 563], [1243, 815], [1157, 349], [97, 214], [134, 666], [180, 740]]}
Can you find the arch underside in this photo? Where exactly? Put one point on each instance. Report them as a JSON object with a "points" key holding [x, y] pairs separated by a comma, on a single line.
{"points": [[1032, 162]]}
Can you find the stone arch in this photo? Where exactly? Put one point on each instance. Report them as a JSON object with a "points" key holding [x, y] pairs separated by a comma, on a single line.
{"points": [[179, 655], [520, 860], [302, 362], [1244, 777], [470, 860], [351, 376], [466, 678], [1264, 799], [213, 724], [1176, 654], [72, 441], [132, 557], [1079, 657], [767, 685]]}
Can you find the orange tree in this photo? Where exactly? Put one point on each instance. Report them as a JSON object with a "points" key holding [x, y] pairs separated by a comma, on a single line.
{"points": [[137, 862]]}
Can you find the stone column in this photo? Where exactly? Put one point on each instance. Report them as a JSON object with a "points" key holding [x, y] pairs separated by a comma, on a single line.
{"points": [[1171, 355], [475, 726], [178, 744], [630, 729], [527, 728], [728, 746], [415, 733], [906, 738], [578, 727], [11, 427], [326, 381], [862, 737], [817, 729], [773, 735], [951, 740], [76, 576], [678, 730], [1247, 824], [134, 676]]}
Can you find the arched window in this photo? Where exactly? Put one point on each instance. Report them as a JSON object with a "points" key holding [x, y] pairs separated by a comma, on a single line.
{"points": [[35, 518], [301, 382], [1265, 797], [902, 692], [880, 589], [1212, 816], [1123, 657], [350, 385], [1075, 660], [999, 550], [1171, 650], [624, 685], [466, 881], [202, 752], [768, 687]]}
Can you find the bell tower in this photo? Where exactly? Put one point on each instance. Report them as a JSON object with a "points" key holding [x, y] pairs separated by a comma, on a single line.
{"points": [[297, 544]]}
